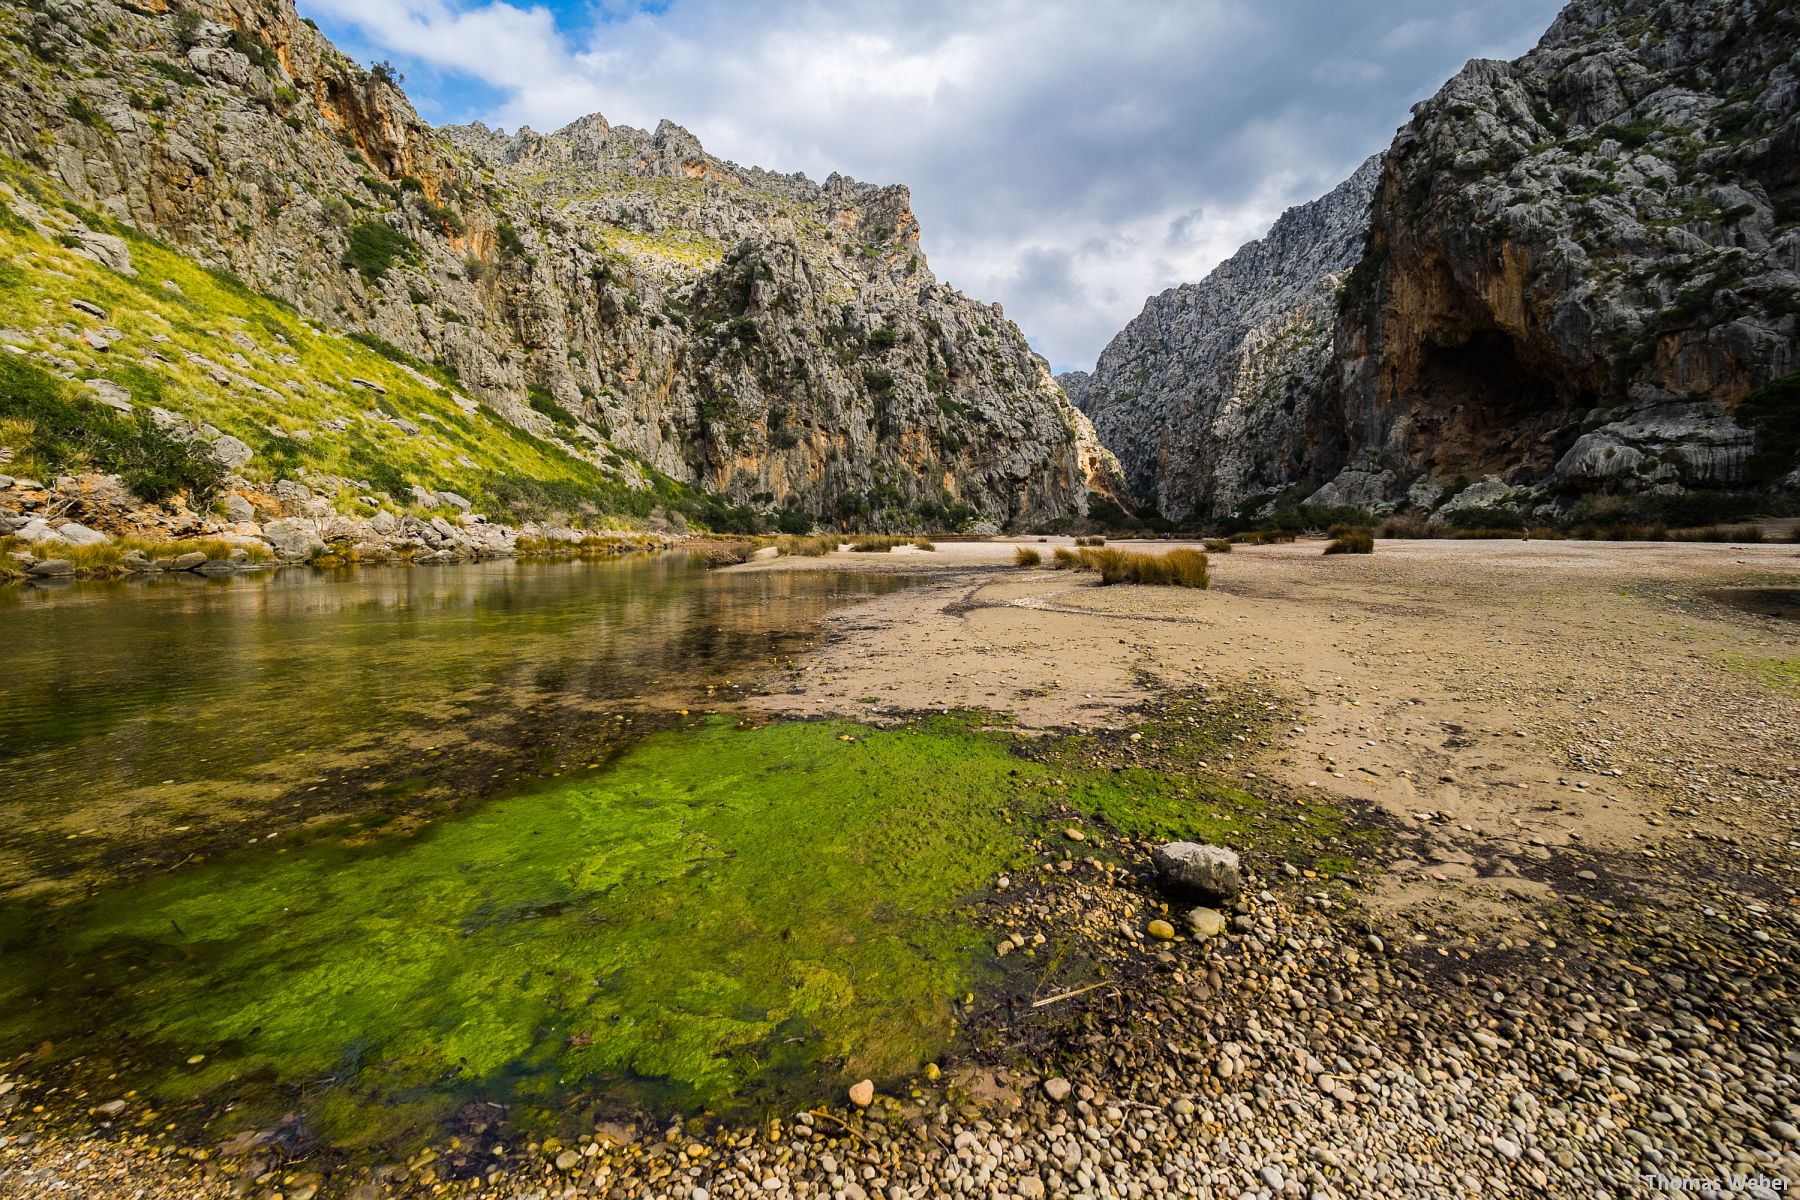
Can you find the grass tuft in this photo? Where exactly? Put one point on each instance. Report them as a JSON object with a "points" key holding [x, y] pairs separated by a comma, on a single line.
{"points": [[1174, 568], [1348, 540], [1025, 556], [805, 545], [723, 553], [877, 544]]}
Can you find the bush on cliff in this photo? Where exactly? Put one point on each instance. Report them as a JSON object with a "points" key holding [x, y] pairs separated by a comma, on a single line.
{"points": [[59, 428]]}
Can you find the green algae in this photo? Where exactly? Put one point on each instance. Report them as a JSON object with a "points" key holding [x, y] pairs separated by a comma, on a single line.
{"points": [[1779, 674], [724, 917]]}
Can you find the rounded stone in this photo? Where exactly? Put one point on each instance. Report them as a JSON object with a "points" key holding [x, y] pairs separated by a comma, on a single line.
{"points": [[1205, 922], [1192, 867]]}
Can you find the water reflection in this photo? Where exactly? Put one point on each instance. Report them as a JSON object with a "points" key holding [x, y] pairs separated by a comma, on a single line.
{"points": [[152, 722]]}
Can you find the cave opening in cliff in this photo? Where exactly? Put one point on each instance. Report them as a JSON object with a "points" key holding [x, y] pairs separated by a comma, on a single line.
{"points": [[1485, 376]]}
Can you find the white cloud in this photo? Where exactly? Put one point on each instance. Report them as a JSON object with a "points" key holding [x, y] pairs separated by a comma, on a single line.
{"points": [[1066, 159]]}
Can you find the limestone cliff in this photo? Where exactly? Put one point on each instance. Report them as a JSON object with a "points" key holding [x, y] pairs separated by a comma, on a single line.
{"points": [[1575, 269], [1582, 262], [1213, 392], [618, 295]]}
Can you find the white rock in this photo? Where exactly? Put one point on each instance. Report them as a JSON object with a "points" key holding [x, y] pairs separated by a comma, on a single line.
{"points": [[81, 535]]}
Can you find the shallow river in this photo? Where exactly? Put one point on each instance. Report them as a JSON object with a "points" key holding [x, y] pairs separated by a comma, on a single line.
{"points": [[361, 844], [146, 721], [354, 861]]}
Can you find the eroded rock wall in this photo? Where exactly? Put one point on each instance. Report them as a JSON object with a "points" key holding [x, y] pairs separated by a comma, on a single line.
{"points": [[777, 340], [1213, 394], [1580, 263], [1564, 278]]}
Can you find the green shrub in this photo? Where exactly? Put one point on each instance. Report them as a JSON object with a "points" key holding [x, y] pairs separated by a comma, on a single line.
{"points": [[254, 49], [1685, 510], [511, 244], [78, 108], [175, 74], [1772, 412], [743, 330], [542, 401], [1487, 517], [794, 521], [70, 430], [721, 515], [186, 27], [375, 247]]}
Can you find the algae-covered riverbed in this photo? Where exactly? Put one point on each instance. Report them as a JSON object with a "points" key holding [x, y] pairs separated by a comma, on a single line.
{"points": [[448, 840], [724, 917]]}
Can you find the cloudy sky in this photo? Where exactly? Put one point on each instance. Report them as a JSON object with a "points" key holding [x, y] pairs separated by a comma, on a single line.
{"points": [[1066, 158]]}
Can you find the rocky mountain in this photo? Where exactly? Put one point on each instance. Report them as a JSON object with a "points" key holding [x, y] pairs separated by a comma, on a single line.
{"points": [[1581, 277], [1212, 393], [655, 327]]}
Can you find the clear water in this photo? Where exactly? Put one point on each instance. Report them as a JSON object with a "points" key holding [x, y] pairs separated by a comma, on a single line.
{"points": [[152, 722]]}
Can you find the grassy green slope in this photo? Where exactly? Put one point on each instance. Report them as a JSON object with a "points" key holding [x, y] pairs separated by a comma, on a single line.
{"points": [[199, 343]]}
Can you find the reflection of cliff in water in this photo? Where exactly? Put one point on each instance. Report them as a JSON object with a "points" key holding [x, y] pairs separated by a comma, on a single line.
{"points": [[157, 721]]}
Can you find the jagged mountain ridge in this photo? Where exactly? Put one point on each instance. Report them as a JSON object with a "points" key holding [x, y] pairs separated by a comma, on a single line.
{"points": [[617, 293], [1209, 394], [1578, 267]]}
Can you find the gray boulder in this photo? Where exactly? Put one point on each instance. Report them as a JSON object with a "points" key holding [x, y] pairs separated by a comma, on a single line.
{"points": [[1203, 869], [231, 453], [51, 567], [110, 394], [293, 539], [190, 561], [37, 530], [81, 535]]}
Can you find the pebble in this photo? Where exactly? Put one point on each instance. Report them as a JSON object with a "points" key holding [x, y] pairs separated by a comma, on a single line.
{"points": [[862, 1093], [1057, 1088]]}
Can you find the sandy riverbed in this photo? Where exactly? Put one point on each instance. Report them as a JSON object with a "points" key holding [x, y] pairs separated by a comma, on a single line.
{"points": [[1499, 700]]}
